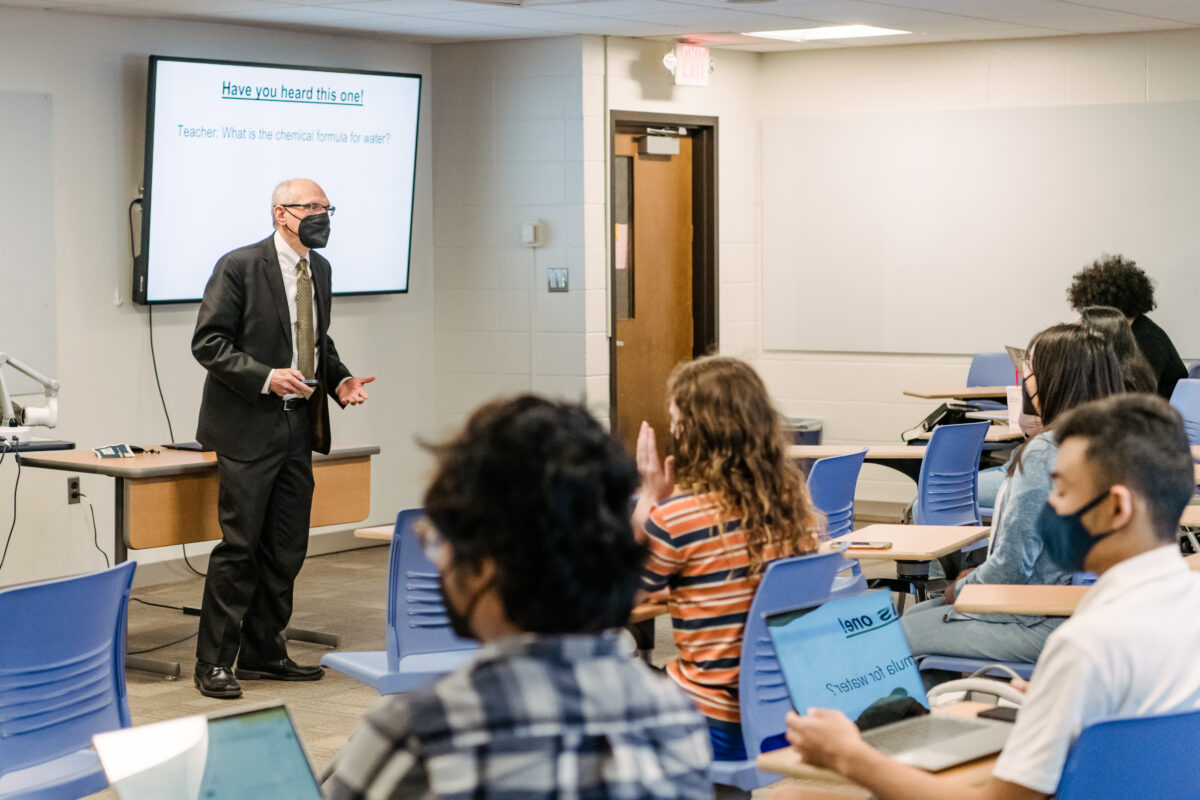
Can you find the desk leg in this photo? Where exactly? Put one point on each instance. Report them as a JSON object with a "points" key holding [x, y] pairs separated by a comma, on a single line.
{"points": [[917, 573], [121, 553]]}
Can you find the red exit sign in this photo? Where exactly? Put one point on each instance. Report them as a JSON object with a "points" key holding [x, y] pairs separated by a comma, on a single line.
{"points": [[692, 64]]}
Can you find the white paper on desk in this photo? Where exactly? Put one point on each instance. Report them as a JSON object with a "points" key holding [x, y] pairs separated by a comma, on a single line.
{"points": [[160, 761]]}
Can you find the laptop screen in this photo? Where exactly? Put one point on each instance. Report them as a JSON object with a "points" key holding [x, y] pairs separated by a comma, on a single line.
{"points": [[256, 756], [846, 654]]}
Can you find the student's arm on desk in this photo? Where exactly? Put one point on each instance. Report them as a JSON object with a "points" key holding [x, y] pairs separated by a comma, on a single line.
{"points": [[828, 739]]}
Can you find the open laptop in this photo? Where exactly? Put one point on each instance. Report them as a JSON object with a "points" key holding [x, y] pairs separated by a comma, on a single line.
{"points": [[244, 755], [851, 655]]}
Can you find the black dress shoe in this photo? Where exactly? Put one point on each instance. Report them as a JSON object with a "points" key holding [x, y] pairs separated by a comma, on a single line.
{"points": [[216, 681], [283, 669]]}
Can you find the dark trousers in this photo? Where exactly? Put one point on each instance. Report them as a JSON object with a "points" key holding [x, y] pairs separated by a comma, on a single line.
{"points": [[263, 506]]}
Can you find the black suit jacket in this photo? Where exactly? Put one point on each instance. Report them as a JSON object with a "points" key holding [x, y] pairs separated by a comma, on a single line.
{"points": [[243, 331]]}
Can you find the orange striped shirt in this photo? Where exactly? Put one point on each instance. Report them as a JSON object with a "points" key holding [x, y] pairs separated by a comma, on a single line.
{"points": [[706, 567]]}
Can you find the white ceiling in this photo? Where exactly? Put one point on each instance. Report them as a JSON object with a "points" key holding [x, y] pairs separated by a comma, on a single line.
{"points": [[715, 22]]}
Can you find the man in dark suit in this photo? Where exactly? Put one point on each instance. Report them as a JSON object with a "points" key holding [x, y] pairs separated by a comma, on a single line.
{"points": [[261, 333]]}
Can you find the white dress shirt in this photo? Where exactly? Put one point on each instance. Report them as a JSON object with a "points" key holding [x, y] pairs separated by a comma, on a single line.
{"points": [[1129, 650], [288, 259]]}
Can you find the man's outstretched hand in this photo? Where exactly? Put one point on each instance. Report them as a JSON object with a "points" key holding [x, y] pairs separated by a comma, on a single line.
{"points": [[353, 391]]}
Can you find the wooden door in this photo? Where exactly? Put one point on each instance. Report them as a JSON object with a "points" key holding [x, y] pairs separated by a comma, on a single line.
{"points": [[654, 299]]}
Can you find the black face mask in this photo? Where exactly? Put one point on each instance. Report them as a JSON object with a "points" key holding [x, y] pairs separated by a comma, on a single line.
{"points": [[1066, 539], [313, 231], [1027, 401], [460, 621]]}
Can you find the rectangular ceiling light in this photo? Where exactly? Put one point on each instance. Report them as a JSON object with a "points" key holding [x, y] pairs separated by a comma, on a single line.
{"points": [[829, 32]]}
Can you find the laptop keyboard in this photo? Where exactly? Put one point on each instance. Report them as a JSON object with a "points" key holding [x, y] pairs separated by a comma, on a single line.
{"points": [[918, 732]]}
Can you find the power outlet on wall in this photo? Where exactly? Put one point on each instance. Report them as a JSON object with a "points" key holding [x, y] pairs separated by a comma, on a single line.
{"points": [[73, 491]]}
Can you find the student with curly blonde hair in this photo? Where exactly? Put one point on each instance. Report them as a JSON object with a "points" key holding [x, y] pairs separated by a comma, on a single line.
{"points": [[727, 502]]}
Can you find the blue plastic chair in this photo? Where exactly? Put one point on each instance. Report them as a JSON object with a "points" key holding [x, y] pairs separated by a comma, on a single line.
{"points": [[1186, 400], [62, 679], [831, 483], [991, 369], [1135, 757], [786, 584], [421, 647], [948, 484]]}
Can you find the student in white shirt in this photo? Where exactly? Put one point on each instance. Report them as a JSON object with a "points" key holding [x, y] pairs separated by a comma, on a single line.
{"points": [[1121, 480]]}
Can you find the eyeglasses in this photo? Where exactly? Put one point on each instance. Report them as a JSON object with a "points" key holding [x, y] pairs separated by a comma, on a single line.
{"points": [[431, 540], [315, 208]]}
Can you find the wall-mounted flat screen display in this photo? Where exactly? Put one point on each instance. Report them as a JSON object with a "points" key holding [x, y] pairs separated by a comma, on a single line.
{"points": [[220, 135]]}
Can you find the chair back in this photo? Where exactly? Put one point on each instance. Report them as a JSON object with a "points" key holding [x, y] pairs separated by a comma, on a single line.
{"points": [[62, 665], [416, 617], [831, 483], [787, 584], [1186, 400], [991, 369], [1135, 757], [948, 485]]}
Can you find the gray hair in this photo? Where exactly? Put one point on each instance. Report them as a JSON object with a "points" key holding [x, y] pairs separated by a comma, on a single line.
{"points": [[283, 194]]}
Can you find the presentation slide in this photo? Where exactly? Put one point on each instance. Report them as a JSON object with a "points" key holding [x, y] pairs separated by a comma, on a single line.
{"points": [[846, 654], [220, 136]]}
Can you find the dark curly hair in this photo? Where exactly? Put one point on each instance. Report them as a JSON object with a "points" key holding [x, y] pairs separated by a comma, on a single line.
{"points": [[1113, 281], [542, 490]]}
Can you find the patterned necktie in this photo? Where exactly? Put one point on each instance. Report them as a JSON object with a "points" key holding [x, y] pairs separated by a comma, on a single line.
{"points": [[304, 320]]}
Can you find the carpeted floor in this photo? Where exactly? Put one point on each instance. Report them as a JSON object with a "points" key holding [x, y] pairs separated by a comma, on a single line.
{"points": [[342, 593]]}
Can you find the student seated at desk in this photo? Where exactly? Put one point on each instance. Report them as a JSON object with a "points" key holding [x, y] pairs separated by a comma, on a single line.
{"points": [[727, 503], [1111, 323], [1067, 365], [1118, 282], [1122, 476], [529, 513]]}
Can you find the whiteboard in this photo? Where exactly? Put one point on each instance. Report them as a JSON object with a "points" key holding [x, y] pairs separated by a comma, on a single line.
{"points": [[27, 308], [958, 231]]}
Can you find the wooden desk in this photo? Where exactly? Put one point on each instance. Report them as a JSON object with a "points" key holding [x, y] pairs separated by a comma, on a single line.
{"points": [[998, 417], [962, 393], [1048, 601], [171, 497], [875, 452], [914, 542], [1196, 473], [824, 783], [381, 533], [996, 433], [903, 458], [913, 547], [1196, 452], [1190, 518]]}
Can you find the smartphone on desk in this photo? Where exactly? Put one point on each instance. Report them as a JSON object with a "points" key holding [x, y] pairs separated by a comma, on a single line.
{"points": [[869, 545]]}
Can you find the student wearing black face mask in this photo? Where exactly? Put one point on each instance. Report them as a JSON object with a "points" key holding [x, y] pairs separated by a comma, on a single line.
{"points": [[1067, 365], [528, 525], [262, 330], [1122, 477]]}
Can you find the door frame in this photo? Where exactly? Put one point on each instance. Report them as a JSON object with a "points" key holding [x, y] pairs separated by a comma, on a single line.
{"points": [[705, 262]]}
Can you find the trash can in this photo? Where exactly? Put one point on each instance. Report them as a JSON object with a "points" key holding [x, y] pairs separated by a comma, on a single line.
{"points": [[805, 430]]}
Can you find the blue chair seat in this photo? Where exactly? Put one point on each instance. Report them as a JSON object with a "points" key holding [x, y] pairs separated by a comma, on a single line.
{"points": [[415, 671], [76, 774], [62, 680], [421, 647]]}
